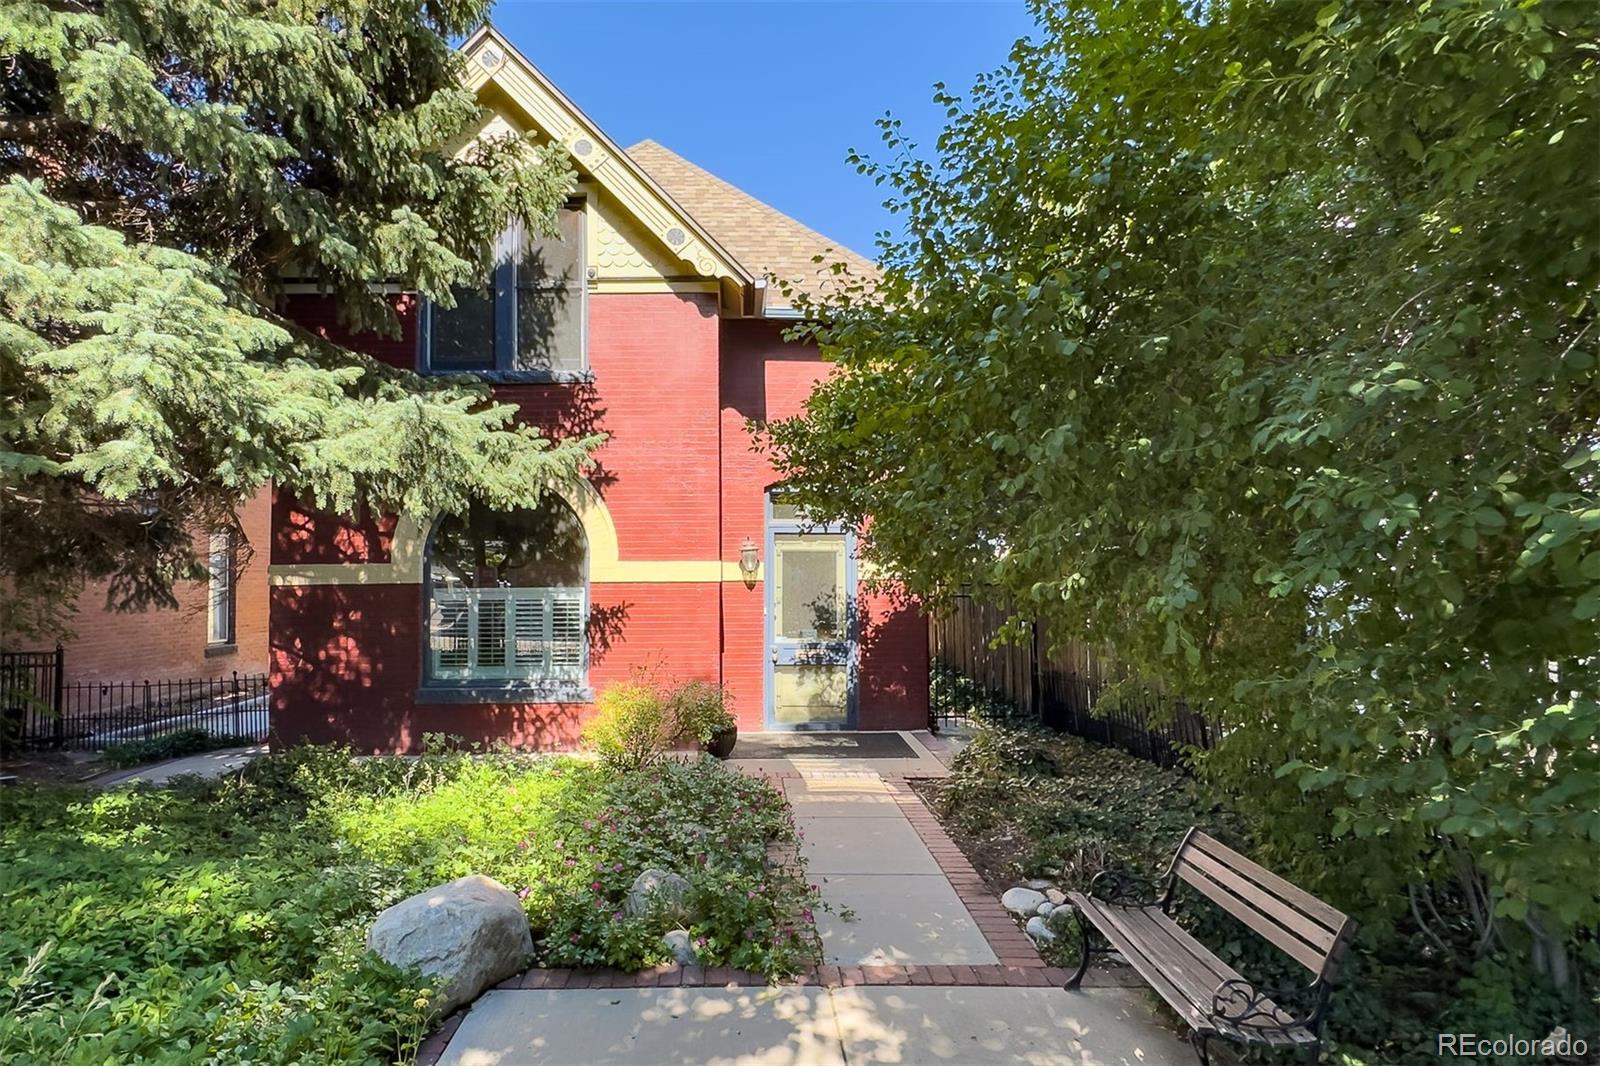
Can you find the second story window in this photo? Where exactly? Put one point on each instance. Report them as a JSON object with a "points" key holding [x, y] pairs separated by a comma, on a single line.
{"points": [[529, 318]]}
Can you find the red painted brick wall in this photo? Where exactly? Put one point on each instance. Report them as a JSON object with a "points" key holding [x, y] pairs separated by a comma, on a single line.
{"points": [[673, 385], [168, 643], [765, 378], [347, 660]]}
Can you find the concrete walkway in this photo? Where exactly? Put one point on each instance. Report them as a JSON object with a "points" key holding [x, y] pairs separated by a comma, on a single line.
{"points": [[813, 1027], [908, 972], [206, 764], [887, 901]]}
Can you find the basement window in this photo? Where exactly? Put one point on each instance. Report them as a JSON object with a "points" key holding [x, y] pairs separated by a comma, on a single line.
{"points": [[528, 321]]}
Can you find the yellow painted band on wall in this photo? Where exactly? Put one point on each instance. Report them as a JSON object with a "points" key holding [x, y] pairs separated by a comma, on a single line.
{"points": [[409, 547], [630, 571]]}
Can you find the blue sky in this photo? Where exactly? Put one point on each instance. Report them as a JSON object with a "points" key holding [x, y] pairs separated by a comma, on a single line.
{"points": [[768, 95]]}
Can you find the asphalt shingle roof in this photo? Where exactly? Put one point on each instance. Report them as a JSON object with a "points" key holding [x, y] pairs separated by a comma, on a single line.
{"points": [[764, 240]]}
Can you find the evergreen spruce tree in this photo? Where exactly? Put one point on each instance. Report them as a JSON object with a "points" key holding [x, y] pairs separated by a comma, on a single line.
{"points": [[164, 166]]}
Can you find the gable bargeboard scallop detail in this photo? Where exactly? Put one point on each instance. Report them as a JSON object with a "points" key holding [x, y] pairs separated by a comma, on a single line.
{"points": [[501, 75]]}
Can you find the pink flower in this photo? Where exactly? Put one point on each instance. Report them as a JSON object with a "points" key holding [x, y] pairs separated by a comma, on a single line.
{"points": [[596, 885], [573, 938], [616, 916], [616, 867], [807, 915], [572, 862], [522, 845]]}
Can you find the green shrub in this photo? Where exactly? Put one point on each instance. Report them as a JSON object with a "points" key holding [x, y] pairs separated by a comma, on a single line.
{"points": [[170, 746], [632, 726], [699, 711], [1031, 803], [223, 921]]}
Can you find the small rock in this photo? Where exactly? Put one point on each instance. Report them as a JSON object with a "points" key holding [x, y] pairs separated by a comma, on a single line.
{"points": [[1041, 933], [1055, 895], [1039, 884], [681, 945], [469, 934], [657, 887], [1022, 901], [1045, 908]]}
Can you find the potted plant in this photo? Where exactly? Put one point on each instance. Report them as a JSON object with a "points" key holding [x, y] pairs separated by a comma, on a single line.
{"points": [[703, 718]]}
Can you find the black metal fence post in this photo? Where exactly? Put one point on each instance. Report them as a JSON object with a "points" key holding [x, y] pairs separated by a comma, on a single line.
{"points": [[58, 689]]}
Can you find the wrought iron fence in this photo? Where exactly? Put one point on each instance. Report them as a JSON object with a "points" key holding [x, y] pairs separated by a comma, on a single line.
{"points": [[40, 710], [1073, 689]]}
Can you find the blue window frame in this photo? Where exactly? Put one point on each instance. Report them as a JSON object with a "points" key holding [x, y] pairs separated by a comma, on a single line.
{"points": [[527, 322]]}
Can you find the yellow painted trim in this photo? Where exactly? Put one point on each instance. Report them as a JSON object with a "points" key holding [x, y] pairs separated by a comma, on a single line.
{"points": [[619, 175], [408, 548], [627, 571], [651, 285]]}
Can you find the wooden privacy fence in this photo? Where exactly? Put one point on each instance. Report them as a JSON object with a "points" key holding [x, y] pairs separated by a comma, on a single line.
{"points": [[1066, 690]]}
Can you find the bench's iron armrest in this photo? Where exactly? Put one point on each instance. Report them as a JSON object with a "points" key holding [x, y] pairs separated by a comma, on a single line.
{"points": [[1243, 1005], [1125, 890]]}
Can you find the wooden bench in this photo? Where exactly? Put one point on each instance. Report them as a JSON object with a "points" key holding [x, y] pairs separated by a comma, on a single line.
{"points": [[1134, 919]]}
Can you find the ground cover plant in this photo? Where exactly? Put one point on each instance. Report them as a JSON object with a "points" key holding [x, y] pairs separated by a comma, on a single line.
{"points": [[1031, 803], [223, 921]]}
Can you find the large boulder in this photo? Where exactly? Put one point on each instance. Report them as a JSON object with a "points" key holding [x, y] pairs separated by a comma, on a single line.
{"points": [[658, 888], [468, 935]]}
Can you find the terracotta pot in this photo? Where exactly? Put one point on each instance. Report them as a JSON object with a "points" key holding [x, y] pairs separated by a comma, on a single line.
{"points": [[721, 743]]}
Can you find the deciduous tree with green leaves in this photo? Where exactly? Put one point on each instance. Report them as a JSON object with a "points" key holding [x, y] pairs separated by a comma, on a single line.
{"points": [[165, 165], [1257, 340]]}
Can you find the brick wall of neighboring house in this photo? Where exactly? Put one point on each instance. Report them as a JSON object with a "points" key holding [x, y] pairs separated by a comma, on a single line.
{"points": [[170, 644], [673, 386]]}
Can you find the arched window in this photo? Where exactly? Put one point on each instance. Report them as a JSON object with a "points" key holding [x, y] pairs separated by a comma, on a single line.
{"points": [[507, 596]]}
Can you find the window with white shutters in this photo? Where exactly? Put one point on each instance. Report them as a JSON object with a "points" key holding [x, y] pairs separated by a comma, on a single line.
{"points": [[509, 634], [508, 599]]}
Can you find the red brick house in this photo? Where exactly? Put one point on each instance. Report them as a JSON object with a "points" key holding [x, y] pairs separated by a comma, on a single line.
{"points": [[217, 628], [654, 318]]}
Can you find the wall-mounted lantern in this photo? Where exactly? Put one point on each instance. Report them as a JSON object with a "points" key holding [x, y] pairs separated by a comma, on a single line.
{"points": [[749, 562]]}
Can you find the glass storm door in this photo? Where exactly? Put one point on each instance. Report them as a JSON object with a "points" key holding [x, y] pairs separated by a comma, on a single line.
{"points": [[810, 624]]}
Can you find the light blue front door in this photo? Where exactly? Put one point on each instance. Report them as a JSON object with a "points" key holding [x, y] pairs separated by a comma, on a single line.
{"points": [[810, 623]]}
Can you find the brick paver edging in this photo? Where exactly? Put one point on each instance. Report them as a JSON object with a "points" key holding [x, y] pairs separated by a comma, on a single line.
{"points": [[1010, 944]]}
